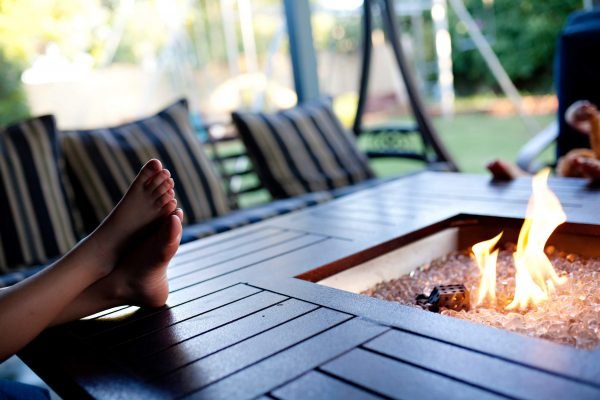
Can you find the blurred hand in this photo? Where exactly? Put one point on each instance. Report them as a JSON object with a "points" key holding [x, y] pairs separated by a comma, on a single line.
{"points": [[579, 114], [504, 171], [589, 167]]}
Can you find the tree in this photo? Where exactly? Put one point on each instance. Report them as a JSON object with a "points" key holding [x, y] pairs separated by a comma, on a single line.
{"points": [[523, 33]]}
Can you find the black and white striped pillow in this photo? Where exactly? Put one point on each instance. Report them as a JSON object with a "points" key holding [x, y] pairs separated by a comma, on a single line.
{"points": [[35, 224], [101, 164], [302, 149]]}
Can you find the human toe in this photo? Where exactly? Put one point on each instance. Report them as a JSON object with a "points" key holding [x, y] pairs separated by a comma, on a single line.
{"points": [[165, 198], [178, 212], [170, 207], [158, 179], [163, 187], [150, 169]]}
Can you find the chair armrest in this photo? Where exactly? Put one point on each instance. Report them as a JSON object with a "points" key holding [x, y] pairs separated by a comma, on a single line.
{"points": [[391, 128], [535, 146]]}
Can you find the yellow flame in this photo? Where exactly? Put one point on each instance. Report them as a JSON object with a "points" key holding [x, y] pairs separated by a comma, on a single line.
{"points": [[535, 277], [486, 261]]}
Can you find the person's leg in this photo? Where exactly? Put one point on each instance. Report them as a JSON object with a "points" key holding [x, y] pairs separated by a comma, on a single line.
{"points": [[139, 278], [31, 305]]}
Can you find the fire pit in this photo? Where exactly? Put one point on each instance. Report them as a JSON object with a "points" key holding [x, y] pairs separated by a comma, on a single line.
{"points": [[549, 290]]}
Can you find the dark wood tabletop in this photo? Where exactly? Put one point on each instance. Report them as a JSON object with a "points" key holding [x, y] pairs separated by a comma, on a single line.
{"points": [[241, 323]]}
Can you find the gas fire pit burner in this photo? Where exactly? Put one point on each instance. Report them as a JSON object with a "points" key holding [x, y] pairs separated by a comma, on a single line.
{"points": [[452, 297]]}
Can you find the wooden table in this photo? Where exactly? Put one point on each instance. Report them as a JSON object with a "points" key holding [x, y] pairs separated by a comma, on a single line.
{"points": [[240, 325]]}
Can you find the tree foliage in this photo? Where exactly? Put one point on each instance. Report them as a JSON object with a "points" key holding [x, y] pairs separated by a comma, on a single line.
{"points": [[13, 104], [523, 34]]}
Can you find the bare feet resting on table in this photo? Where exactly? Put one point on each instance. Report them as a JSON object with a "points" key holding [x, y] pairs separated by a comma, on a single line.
{"points": [[578, 163], [122, 262]]}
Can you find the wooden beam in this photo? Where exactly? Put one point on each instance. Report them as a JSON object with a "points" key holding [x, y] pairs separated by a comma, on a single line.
{"points": [[302, 51]]}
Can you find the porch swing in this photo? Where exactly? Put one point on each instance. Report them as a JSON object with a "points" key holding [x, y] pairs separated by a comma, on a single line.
{"points": [[392, 138]]}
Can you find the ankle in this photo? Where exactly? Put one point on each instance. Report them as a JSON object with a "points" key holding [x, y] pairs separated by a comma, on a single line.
{"points": [[115, 290], [95, 256]]}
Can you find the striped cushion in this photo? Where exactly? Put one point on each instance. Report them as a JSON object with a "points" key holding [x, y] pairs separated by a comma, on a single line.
{"points": [[101, 163], [302, 149], [35, 225]]}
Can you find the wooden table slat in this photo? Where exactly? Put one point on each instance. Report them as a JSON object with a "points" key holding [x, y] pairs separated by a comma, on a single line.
{"points": [[398, 380], [209, 260], [355, 216], [198, 250], [338, 228], [170, 316], [204, 345], [292, 363], [217, 366], [224, 238], [156, 341], [367, 209], [245, 262], [316, 386], [509, 379]]}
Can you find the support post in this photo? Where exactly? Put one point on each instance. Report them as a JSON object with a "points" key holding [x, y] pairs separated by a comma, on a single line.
{"points": [[302, 51], [443, 48], [426, 128]]}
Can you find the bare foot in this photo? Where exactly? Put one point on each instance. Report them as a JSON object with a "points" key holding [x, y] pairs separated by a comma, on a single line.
{"points": [[504, 171], [139, 278], [149, 197]]}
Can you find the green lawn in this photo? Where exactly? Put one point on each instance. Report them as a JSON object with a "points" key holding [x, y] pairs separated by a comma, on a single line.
{"points": [[473, 140]]}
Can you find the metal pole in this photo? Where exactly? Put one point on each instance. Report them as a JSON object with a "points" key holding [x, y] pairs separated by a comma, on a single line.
{"points": [[493, 63], [245, 10], [302, 51], [230, 36], [443, 48], [365, 66], [426, 127]]}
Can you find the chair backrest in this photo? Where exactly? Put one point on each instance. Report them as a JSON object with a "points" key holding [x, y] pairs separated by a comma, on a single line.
{"points": [[230, 157], [242, 185], [577, 72]]}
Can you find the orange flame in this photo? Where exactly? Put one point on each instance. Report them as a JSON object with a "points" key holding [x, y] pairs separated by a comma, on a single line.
{"points": [[535, 277], [486, 261]]}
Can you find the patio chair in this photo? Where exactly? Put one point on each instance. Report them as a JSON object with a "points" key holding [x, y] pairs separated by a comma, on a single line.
{"points": [[432, 152], [577, 77]]}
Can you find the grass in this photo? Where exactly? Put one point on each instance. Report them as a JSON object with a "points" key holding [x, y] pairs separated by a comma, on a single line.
{"points": [[473, 140]]}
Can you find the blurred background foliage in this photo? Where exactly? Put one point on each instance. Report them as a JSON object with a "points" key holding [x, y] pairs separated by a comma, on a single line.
{"points": [[13, 103], [521, 32], [28, 26]]}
